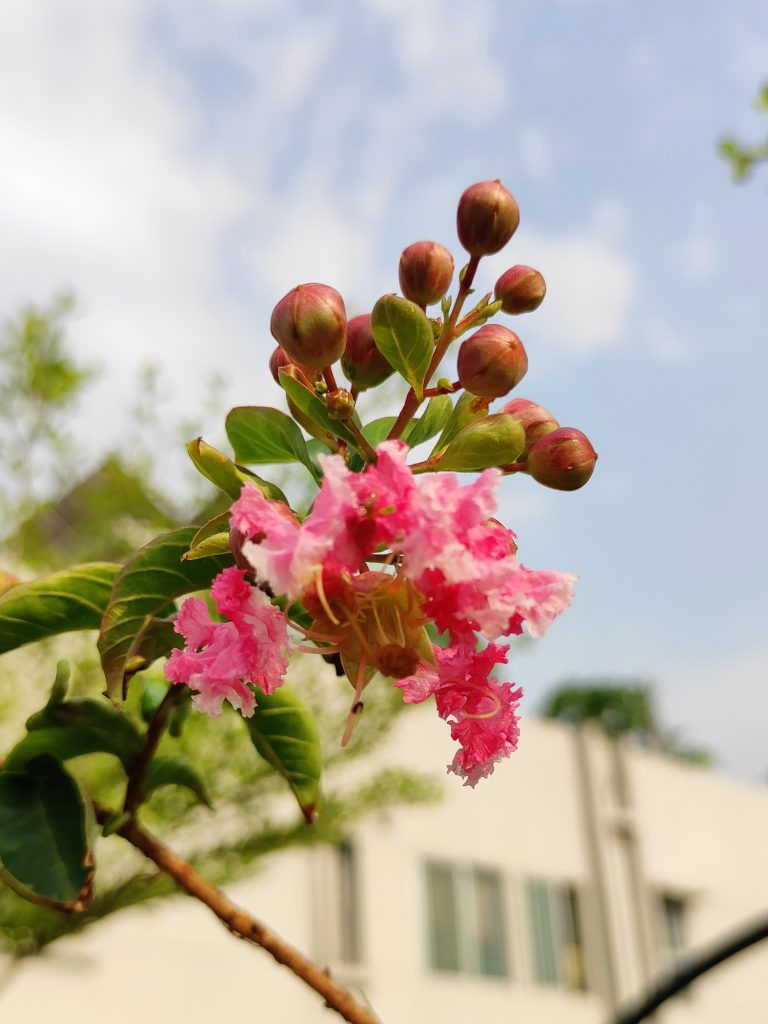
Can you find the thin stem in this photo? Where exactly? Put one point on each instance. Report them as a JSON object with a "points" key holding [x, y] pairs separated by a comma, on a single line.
{"points": [[442, 389], [515, 467], [365, 447], [330, 380], [412, 403], [155, 730], [241, 923]]}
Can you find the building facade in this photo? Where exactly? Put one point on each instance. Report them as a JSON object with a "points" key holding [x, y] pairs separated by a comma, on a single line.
{"points": [[555, 891]]}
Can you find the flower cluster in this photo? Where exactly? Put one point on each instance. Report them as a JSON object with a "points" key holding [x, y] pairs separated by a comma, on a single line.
{"points": [[442, 558], [393, 554]]}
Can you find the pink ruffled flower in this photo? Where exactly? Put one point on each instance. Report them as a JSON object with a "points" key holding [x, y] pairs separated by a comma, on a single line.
{"points": [[482, 712], [352, 515], [464, 563], [220, 659]]}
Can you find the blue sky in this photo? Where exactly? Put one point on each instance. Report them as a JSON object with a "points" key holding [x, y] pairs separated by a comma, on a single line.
{"points": [[181, 165]]}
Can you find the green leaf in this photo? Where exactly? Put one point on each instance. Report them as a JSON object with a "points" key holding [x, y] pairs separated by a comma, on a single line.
{"points": [[468, 409], [376, 431], [45, 855], [314, 408], [435, 417], [75, 727], [283, 731], [226, 474], [216, 544], [175, 771], [404, 337], [262, 435], [58, 603], [148, 581], [497, 440]]}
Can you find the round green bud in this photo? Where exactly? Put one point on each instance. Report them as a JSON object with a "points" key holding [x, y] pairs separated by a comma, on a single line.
{"points": [[520, 290], [425, 272], [564, 459], [491, 361], [310, 323], [363, 365], [487, 218]]}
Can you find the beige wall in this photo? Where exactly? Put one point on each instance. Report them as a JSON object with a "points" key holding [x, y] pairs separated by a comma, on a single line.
{"points": [[694, 833]]}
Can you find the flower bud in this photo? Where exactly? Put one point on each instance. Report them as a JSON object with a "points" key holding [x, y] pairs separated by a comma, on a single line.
{"points": [[536, 421], [491, 361], [340, 405], [563, 459], [426, 270], [487, 218], [310, 323], [495, 440], [363, 365], [520, 290], [280, 359]]}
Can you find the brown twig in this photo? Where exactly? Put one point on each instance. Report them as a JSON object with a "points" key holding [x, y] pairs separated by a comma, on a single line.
{"points": [[240, 922], [155, 729]]}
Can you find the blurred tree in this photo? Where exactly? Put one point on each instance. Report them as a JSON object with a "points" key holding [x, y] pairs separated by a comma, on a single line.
{"points": [[744, 158], [41, 383], [620, 708]]}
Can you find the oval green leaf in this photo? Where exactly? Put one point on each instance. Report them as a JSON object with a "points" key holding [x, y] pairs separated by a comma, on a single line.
{"points": [[45, 855], [148, 581], [263, 436], [74, 727], [435, 417], [226, 474], [175, 771], [467, 409], [494, 441], [404, 337], [283, 731], [58, 603]]}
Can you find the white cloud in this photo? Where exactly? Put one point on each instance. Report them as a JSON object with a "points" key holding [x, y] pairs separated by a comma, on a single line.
{"points": [[100, 191], [591, 286], [664, 342]]}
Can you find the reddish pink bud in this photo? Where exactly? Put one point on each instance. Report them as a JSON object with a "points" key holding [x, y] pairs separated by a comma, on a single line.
{"points": [[363, 365], [520, 290], [536, 421], [310, 322], [563, 459], [426, 270], [280, 359], [491, 361], [487, 218]]}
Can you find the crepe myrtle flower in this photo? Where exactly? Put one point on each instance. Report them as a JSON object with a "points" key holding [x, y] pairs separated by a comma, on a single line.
{"points": [[378, 558]]}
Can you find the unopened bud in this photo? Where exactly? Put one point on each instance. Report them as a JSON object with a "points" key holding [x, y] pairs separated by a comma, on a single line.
{"points": [[280, 359], [363, 365], [520, 290], [563, 459], [340, 405], [426, 270], [310, 323], [491, 361], [537, 421], [487, 218]]}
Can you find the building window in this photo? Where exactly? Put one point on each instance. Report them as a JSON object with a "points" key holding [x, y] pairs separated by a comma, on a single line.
{"points": [[350, 946], [466, 920], [672, 913], [558, 944]]}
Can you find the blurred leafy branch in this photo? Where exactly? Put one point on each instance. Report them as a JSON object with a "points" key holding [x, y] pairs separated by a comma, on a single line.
{"points": [[744, 158], [49, 521]]}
